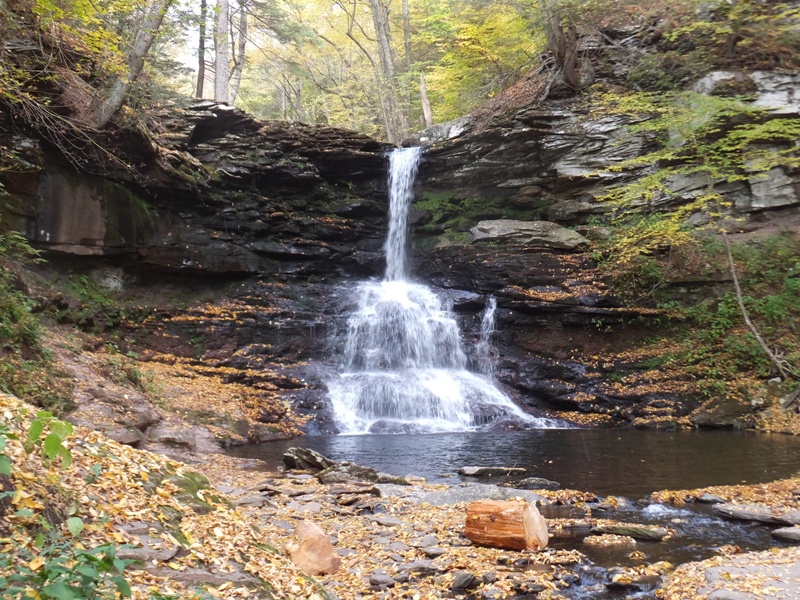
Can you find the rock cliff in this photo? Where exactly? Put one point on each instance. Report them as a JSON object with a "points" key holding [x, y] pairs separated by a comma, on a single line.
{"points": [[270, 223]]}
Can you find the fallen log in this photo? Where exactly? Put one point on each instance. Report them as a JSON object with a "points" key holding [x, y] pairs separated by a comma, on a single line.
{"points": [[507, 524]]}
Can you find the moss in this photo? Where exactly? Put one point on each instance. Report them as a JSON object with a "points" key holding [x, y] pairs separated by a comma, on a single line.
{"points": [[451, 216]]}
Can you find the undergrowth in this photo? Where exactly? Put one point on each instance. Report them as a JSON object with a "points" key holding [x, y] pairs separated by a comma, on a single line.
{"points": [[27, 369], [714, 348]]}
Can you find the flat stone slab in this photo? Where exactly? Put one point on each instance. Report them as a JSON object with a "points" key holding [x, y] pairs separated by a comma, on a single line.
{"points": [[791, 534], [755, 576], [762, 514], [637, 532]]}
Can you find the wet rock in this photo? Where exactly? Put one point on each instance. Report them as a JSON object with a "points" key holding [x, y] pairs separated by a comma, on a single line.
{"points": [[313, 554], [709, 499], [489, 471], [762, 514], [791, 534], [638, 532], [305, 459], [608, 539], [536, 483], [531, 233], [528, 587], [347, 472]]}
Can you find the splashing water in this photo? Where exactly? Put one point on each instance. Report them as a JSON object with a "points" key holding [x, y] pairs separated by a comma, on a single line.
{"points": [[404, 367]]}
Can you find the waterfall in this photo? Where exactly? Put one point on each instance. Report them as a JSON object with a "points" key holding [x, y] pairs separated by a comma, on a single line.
{"points": [[484, 349], [404, 368]]}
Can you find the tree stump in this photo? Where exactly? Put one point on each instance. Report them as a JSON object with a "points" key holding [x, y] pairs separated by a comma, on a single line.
{"points": [[506, 524]]}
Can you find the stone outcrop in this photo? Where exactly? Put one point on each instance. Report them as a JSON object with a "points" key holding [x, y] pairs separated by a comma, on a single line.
{"points": [[528, 233]]}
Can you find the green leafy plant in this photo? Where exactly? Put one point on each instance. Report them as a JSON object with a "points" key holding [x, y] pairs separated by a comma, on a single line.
{"points": [[60, 570], [51, 445]]}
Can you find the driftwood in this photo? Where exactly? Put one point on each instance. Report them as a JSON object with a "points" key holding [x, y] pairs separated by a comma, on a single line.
{"points": [[506, 524]]}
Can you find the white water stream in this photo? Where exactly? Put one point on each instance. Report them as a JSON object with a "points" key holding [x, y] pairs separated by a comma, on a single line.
{"points": [[404, 367]]}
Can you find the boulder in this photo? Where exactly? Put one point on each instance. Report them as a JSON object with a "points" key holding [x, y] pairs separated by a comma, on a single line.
{"points": [[530, 233], [790, 534], [536, 483], [637, 532], [306, 459], [313, 554], [347, 472], [762, 514]]}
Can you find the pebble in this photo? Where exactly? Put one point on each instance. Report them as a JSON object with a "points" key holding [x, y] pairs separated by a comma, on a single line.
{"points": [[463, 580], [381, 578], [386, 520], [434, 552], [426, 542]]}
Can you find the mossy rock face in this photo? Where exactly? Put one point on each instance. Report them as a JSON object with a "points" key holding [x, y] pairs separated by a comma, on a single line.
{"points": [[723, 413]]}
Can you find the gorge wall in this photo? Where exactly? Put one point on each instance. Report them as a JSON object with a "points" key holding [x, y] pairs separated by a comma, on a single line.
{"points": [[230, 244]]}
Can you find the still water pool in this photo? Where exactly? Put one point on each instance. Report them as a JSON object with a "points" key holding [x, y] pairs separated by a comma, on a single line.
{"points": [[605, 461]]}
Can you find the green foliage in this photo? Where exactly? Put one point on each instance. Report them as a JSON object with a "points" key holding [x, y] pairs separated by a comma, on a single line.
{"points": [[452, 216], [489, 47], [18, 325], [702, 139], [61, 570], [715, 348], [748, 32], [56, 566], [50, 446], [26, 369]]}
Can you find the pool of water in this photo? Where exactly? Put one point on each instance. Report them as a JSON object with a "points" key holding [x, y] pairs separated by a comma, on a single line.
{"points": [[604, 461]]}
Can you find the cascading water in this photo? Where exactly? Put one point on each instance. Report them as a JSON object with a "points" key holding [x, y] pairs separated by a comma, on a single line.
{"points": [[483, 349], [404, 368]]}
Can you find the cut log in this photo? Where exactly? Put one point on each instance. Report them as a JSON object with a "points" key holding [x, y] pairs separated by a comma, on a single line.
{"points": [[313, 553], [506, 524]]}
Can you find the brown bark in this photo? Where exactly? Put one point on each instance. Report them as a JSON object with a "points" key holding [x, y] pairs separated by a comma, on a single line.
{"points": [[239, 54], [506, 524], [201, 50], [407, 33], [427, 113], [115, 95], [222, 67]]}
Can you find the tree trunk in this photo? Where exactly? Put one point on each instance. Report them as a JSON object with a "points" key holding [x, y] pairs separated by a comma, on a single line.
{"points": [[407, 33], [239, 54], [781, 367], [427, 113], [222, 67], [115, 95], [506, 524], [201, 50], [380, 19]]}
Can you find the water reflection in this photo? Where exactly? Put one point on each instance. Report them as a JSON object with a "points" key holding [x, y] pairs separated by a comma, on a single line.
{"points": [[627, 463]]}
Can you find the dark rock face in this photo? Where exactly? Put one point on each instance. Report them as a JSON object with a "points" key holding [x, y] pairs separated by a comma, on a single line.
{"points": [[295, 214], [225, 194]]}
